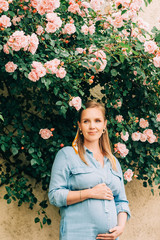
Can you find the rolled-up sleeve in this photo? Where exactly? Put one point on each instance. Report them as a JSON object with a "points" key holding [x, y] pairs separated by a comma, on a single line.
{"points": [[58, 187], [122, 204]]}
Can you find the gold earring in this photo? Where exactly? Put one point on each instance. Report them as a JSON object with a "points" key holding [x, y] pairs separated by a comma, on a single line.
{"points": [[104, 130], [80, 131]]}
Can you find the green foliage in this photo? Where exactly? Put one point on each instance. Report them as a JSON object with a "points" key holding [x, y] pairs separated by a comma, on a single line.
{"points": [[129, 78]]}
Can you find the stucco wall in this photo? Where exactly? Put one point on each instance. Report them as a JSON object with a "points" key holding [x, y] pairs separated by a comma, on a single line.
{"points": [[17, 223]]}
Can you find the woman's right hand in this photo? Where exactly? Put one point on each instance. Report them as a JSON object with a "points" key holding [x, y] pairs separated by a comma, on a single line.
{"points": [[101, 191]]}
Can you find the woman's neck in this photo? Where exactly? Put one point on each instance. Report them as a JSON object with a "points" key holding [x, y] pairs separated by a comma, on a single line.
{"points": [[92, 146]]}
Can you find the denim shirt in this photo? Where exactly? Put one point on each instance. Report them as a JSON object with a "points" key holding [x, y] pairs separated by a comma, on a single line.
{"points": [[85, 220]]}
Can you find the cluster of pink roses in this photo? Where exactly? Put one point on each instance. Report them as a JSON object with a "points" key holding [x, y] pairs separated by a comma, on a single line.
{"points": [[5, 21], [54, 22], [121, 149], [100, 57], [81, 7], [128, 175], [147, 135], [45, 6], [18, 40], [76, 102], [85, 29], [53, 67]]}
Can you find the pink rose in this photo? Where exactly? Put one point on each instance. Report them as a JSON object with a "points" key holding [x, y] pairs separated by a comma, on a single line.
{"points": [[125, 136], [152, 139], [158, 117], [143, 123], [33, 44], [80, 50], [119, 118], [61, 72], [6, 48], [16, 19], [40, 30], [33, 75], [18, 40], [136, 136], [135, 73], [5, 21], [4, 5], [128, 175], [44, 6], [143, 137], [121, 149], [10, 67], [156, 61], [96, 5], [74, 8], [150, 46], [45, 133], [76, 102], [100, 57], [54, 23], [40, 70], [35, 3], [118, 20], [84, 29], [118, 104], [148, 132], [91, 29], [52, 65], [69, 28], [50, 27]]}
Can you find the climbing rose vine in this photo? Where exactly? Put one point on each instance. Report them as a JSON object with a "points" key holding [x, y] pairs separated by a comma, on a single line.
{"points": [[54, 56]]}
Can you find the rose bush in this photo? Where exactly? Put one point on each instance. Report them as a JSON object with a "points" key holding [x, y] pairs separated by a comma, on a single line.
{"points": [[53, 54]]}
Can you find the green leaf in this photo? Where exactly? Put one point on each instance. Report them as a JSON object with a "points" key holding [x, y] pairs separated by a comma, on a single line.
{"points": [[33, 161], [36, 220], [49, 221], [114, 73], [14, 150], [9, 201]]}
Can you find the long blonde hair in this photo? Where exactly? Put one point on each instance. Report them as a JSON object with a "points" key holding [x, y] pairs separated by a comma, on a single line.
{"points": [[104, 142]]}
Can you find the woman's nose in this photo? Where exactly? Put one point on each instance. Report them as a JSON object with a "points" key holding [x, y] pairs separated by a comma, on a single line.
{"points": [[92, 125]]}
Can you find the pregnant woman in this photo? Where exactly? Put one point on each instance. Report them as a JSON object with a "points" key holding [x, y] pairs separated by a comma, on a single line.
{"points": [[87, 182]]}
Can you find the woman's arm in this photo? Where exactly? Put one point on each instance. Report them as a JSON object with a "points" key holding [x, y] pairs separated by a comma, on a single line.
{"points": [[100, 191]]}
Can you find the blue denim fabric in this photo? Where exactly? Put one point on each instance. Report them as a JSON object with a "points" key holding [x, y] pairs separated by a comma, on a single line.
{"points": [[85, 220]]}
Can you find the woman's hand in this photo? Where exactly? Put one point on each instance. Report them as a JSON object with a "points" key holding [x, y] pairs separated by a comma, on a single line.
{"points": [[114, 233], [101, 191]]}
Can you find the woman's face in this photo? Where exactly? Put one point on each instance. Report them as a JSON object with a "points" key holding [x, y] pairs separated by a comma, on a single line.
{"points": [[92, 124]]}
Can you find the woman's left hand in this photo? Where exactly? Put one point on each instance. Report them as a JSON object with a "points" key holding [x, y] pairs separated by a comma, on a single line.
{"points": [[114, 233]]}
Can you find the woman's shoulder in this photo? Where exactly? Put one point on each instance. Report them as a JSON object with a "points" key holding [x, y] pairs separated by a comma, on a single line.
{"points": [[68, 150]]}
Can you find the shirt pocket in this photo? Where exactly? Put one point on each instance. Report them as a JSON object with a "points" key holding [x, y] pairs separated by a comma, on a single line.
{"points": [[82, 178], [115, 183]]}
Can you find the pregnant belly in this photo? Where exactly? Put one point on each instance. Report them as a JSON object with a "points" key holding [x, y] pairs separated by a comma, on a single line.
{"points": [[91, 216]]}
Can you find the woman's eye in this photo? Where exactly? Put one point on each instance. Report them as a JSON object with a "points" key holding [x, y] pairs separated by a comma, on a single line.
{"points": [[98, 120], [85, 121]]}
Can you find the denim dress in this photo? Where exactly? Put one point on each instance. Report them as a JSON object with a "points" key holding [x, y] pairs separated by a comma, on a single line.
{"points": [[86, 219]]}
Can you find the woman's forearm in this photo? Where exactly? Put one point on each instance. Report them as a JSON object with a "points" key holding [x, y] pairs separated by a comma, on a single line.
{"points": [[78, 196], [122, 218]]}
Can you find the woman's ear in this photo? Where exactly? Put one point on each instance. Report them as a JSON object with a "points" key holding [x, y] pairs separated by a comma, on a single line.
{"points": [[78, 124], [105, 123]]}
